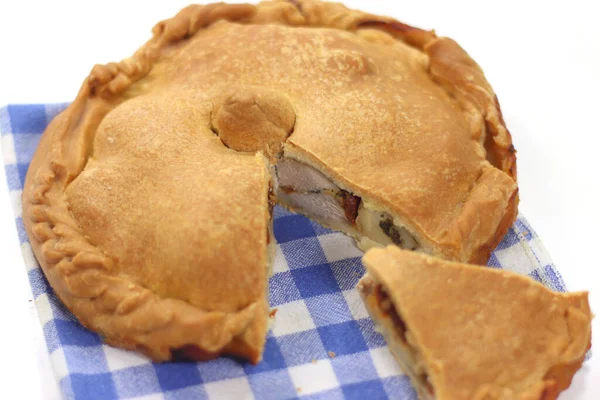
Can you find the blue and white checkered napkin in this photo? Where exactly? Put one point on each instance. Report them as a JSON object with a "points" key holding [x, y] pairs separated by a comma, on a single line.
{"points": [[322, 345]]}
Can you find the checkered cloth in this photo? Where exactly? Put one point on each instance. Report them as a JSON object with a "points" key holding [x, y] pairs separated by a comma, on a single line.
{"points": [[323, 344]]}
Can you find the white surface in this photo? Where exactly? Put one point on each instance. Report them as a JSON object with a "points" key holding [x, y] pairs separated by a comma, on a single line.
{"points": [[542, 58]]}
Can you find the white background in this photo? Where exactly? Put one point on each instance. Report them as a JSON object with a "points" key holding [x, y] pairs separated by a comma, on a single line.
{"points": [[542, 58]]}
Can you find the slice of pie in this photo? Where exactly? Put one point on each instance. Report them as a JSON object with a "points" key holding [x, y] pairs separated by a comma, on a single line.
{"points": [[148, 202], [468, 332]]}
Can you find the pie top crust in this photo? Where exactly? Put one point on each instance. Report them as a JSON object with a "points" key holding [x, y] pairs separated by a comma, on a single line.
{"points": [[160, 241], [484, 333]]}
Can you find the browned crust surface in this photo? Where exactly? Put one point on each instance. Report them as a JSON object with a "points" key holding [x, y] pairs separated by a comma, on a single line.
{"points": [[483, 333], [131, 272]]}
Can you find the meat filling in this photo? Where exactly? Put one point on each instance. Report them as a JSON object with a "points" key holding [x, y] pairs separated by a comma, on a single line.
{"points": [[271, 199], [350, 204], [387, 309], [271, 202], [305, 189]]}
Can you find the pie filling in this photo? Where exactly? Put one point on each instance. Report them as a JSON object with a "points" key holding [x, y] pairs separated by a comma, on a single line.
{"points": [[399, 338], [380, 227], [306, 190], [271, 201]]}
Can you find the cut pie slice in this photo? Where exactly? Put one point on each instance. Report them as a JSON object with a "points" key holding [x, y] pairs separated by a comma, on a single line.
{"points": [[148, 200], [468, 332]]}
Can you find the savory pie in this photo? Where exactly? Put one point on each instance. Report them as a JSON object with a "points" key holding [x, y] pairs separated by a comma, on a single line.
{"points": [[148, 202], [468, 332]]}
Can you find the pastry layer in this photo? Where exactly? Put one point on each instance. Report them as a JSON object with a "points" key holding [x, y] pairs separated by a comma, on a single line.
{"points": [[468, 332]]}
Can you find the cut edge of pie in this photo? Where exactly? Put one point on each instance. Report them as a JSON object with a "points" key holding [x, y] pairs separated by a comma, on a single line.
{"points": [[493, 202], [465, 331], [131, 316]]}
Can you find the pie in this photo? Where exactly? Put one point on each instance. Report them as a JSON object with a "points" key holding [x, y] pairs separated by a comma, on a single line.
{"points": [[468, 332], [148, 202]]}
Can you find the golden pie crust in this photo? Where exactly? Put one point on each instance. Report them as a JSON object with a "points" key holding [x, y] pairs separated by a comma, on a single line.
{"points": [[147, 202], [480, 333]]}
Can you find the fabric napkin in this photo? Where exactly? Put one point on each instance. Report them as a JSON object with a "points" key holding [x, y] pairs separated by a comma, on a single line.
{"points": [[323, 344]]}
